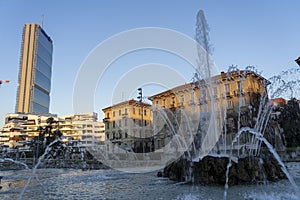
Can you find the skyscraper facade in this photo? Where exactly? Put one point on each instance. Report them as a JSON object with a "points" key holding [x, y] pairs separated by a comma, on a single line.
{"points": [[33, 94]]}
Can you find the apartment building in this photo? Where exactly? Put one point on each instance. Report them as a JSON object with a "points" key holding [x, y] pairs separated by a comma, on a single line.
{"points": [[128, 125], [83, 127], [18, 128], [187, 108]]}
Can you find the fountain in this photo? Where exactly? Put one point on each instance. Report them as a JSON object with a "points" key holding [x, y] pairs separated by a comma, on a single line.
{"points": [[244, 152], [248, 155], [240, 151]]}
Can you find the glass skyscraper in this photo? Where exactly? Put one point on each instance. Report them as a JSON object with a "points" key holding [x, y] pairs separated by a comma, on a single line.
{"points": [[33, 94]]}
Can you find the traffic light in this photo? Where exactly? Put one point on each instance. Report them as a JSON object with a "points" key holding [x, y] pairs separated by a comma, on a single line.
{"points": [[140, 97]]}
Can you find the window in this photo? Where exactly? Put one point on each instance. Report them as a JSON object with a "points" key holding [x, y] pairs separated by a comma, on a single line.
{"points": [[203, 94], [244, 120], [242, 101], [216, 106], [164, 103], [227, 89], [125, 111], [89, 126], [107, 136], [182, 99], [133, 111], [107, 116], [239, 84], [205, 108], [114, 113], [229, 104], [158, 144], [126, 134], [156, 103], [114, 124], [119, 112], [107, 125], [215, 91], [173, 101], [145, 112], [230, 122]]}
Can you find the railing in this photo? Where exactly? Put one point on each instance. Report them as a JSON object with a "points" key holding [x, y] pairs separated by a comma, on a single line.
{"points": [[106, 119], [238, 93]]}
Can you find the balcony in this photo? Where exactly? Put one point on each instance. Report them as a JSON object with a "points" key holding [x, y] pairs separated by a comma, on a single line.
{"points": [[106, 119], [228, 94], [191, 102], [238, 93]]}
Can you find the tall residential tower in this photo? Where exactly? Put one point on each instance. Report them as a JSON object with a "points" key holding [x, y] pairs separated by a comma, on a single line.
{"points": [[35, 71]]}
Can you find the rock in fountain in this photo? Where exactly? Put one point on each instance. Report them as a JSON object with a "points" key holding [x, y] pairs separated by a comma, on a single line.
{"points": [[212, 170]]}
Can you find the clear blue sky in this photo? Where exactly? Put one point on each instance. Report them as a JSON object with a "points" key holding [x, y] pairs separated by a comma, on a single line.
{"points": [[264, 34]]}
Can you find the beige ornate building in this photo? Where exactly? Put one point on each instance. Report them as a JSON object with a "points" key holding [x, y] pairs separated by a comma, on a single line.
{"points": [[129, 126], [188, 108]]}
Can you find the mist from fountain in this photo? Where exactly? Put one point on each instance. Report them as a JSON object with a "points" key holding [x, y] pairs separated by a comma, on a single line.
{"points": [[14, 161], [41, 158]]}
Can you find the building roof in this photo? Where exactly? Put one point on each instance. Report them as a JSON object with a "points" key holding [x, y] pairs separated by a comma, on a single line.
{"points": [[221, 77], [129, 102]]}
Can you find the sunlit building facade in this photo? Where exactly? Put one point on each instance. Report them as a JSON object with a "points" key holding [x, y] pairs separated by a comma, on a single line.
{"points": [[82, 128], [128, 125], [233, 97], [33, 94], [19, 129]]}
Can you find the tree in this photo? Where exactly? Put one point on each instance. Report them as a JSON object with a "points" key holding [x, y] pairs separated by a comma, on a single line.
{"points": [[289, 120]]}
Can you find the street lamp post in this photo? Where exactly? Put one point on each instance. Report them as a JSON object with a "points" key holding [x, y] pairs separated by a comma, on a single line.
{"points": [[140, 97]]}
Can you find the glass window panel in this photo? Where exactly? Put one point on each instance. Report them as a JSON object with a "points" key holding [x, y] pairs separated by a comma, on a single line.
{"points": [[42, 81]]}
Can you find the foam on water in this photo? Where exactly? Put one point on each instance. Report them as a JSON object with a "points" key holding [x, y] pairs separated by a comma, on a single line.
{"points": [[271, 196]]}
